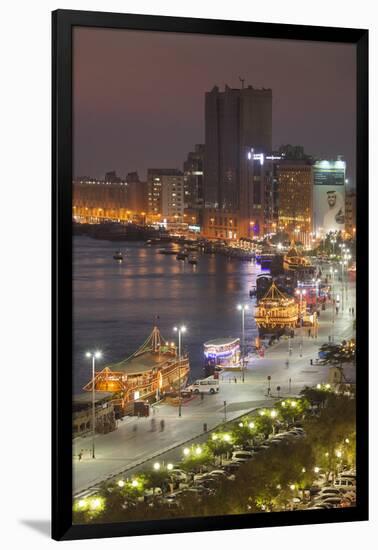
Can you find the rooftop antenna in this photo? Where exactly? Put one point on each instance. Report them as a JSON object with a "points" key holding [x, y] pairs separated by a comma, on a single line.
{"points": [[242, 80]]}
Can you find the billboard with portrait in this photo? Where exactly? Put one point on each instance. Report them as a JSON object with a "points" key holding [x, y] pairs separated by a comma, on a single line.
{"points": [[329, 196]]}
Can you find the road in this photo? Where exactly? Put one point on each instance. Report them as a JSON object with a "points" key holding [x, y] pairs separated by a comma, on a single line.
{"points": [[125, 449]]}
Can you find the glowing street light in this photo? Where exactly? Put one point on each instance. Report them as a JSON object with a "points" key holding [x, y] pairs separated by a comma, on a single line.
{"points": [[300, 292], [186, 451], [180, 330], [121, 483], [251, 425], [243, 308], [93, 355], [135, 483], [156, 466], [169, 466]]}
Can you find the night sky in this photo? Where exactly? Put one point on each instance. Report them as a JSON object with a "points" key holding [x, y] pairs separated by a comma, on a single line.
{"points": [[139, 96]]}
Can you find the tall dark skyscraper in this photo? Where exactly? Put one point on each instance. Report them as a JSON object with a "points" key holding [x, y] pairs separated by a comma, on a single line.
{"points": [[235, 120], [193, 177]]}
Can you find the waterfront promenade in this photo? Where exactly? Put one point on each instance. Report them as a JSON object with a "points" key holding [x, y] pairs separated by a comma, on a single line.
{"points": [[128, 450]]}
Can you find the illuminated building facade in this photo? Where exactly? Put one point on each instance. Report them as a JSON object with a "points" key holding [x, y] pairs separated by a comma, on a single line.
{"points": [[136, 193], [172, 197], [95, 200], [113, 198], [350, 213], [295, 198], [155, 179]]}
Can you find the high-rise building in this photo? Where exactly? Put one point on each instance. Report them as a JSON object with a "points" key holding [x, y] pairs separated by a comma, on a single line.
{"points": [[295, 197], [193, 177], [172, 203], [157, 178], [350, 213], [235, 119]]}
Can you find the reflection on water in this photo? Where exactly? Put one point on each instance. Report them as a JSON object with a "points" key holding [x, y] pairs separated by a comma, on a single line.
{"points": [[115, 304]]}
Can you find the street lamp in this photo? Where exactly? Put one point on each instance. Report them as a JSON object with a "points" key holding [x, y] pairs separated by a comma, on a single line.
{"points": [[93, 355], [243, 308], [180, 331], [301, 292]]}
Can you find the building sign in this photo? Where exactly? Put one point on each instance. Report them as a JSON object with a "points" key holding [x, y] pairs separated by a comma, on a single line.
{"points": [[329, 196]]}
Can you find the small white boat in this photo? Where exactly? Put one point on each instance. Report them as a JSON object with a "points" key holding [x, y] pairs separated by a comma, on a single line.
{"points": [[118, 256]]}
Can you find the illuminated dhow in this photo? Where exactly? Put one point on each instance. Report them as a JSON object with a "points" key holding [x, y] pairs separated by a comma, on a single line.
{"points": [[151, 371], [294, 261], [276, 311]]}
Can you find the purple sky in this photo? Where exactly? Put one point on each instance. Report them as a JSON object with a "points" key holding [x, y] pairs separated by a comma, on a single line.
{"points": [[139, 96]]}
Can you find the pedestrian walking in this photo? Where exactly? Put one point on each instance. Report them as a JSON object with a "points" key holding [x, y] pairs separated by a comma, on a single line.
{"points": [[205, 427], [309, 332], [135, 428], [80, 455], [153, 424], [162, 425], [353, 311], [235, 380], [311, 362]]}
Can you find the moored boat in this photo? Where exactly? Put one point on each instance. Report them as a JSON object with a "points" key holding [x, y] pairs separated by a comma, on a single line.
{"points": [[293, 261], [277, 312], [154, 369], [167, 251], [118, 256]]}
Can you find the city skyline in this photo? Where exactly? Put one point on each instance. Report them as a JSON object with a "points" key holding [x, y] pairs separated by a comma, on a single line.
{"points": [[122, 105]]}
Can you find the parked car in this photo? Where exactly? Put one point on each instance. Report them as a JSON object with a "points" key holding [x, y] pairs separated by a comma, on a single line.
{"points": [[179, 475], [247, 455], [208, 385], [231, 467], [332, 500], [329, 491], [345, 482], [218, 473], [154, 491]]}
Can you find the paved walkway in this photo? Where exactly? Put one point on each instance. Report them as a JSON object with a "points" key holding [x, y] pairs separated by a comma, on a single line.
{"points": [[125, 449]]}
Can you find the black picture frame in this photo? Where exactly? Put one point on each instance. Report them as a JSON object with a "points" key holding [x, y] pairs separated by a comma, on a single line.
{"points": [[63, 22]]}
